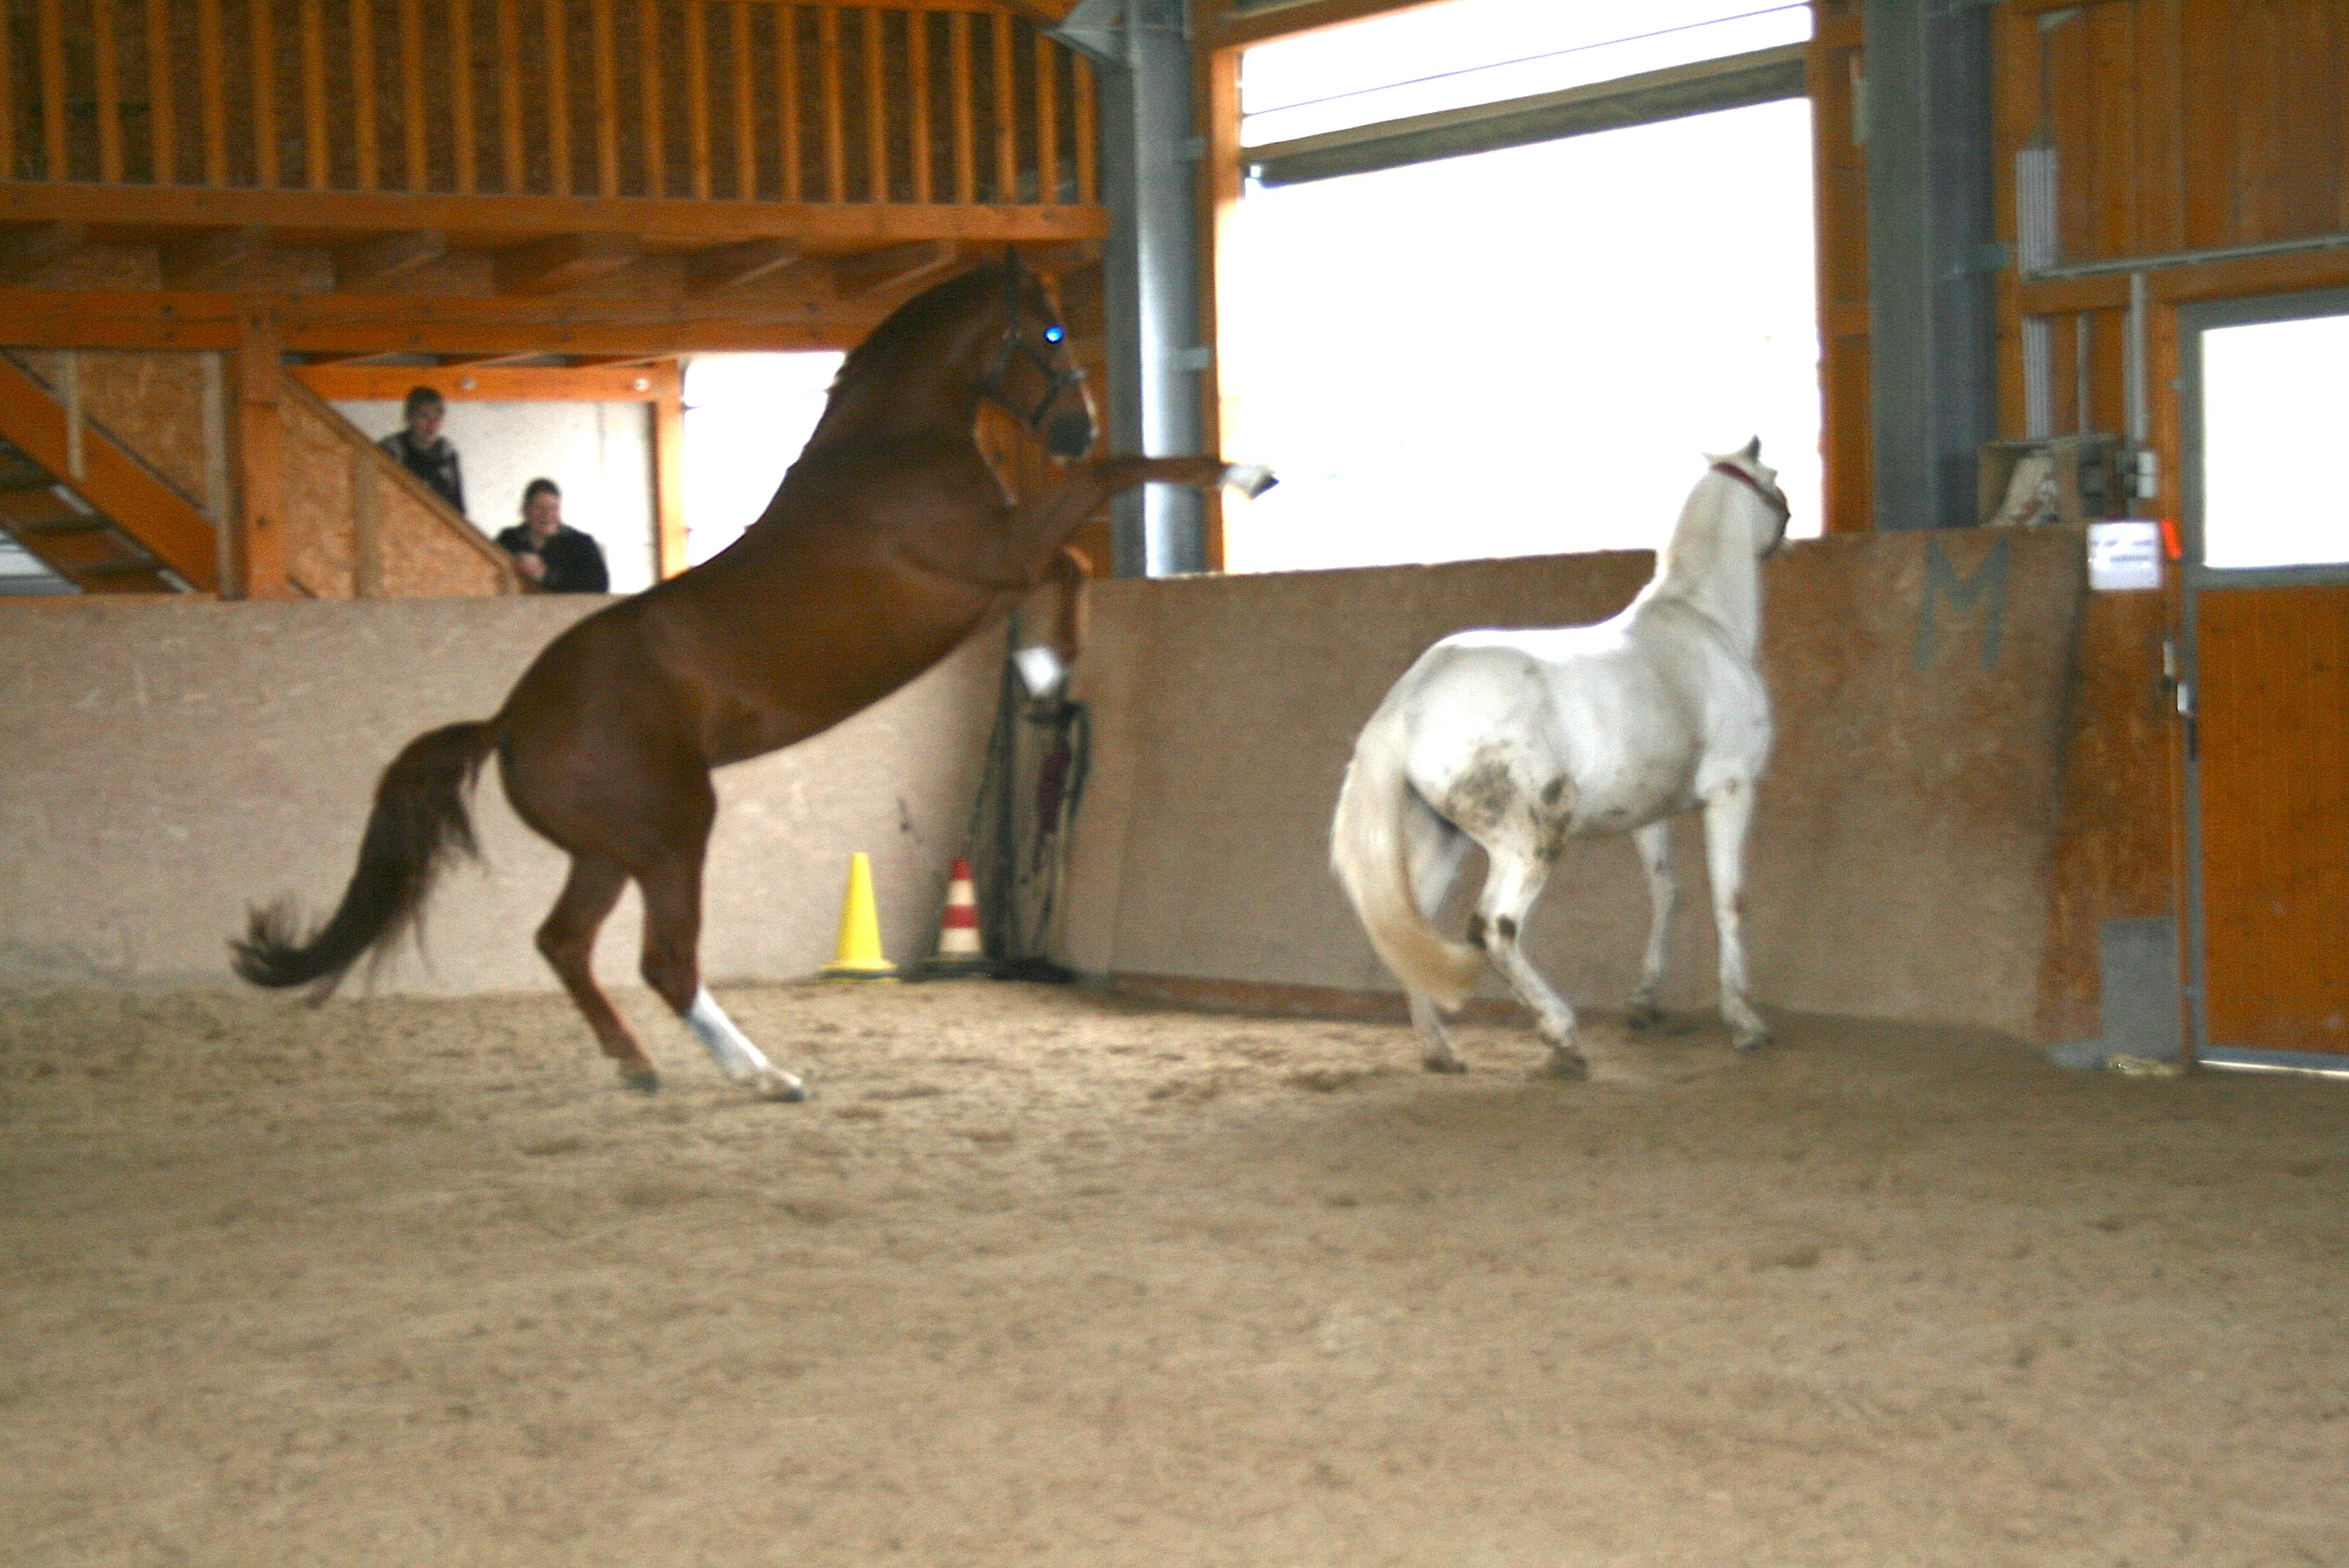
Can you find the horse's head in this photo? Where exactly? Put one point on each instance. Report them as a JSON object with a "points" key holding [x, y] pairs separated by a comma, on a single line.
{"points": [[1031, 373], [1746, 468]]}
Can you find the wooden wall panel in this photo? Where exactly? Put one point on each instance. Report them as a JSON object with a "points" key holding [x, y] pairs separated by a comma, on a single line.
{"points": [[1840, 170]]}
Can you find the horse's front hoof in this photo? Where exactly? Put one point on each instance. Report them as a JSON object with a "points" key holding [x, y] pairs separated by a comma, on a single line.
{"points": [[1748, 1041], [781, 1087], [1643, 1017], [640, 1079], [1567, 1067], [1444, 1064]]}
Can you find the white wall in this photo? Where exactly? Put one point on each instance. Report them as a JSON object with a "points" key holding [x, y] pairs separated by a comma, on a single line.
{"points": [[600, 453]]}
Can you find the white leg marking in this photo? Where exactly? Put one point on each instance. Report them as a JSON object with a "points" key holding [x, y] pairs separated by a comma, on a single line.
{"points": [[1726, 814], [1654, 843], [736, 1056], [1251, 480]]}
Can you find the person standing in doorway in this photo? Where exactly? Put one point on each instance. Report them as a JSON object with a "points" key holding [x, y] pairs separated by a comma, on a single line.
{"points": [[549, 553], [423, 450]]}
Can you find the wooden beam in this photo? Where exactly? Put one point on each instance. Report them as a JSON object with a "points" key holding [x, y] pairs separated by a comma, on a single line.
{"points": [[668, 477], [205, 261], [258, 433], [493, 384], [371, 265], [893, 267], [563, 262], [819, 224], [723, 267], [24, 252], [113, 481]]}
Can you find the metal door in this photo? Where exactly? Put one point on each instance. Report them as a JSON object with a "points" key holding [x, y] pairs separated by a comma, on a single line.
{"points": [[2266, 407]]}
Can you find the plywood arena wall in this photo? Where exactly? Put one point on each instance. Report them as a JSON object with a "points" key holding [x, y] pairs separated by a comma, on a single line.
{"points": [[169, 764], [1905, 854]]}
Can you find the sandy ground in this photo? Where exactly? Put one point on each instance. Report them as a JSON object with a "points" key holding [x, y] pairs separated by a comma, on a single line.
{"points": [[1039, 1278]]}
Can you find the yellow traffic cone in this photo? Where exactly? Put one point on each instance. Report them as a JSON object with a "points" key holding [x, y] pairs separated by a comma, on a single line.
{"points": [[859, 956]]}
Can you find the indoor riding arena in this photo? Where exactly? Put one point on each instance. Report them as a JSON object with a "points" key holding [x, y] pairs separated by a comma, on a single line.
{"points": [[1005, 1141]]}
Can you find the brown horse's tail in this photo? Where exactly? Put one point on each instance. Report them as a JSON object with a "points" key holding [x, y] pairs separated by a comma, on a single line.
{"points": [[419, 822]]}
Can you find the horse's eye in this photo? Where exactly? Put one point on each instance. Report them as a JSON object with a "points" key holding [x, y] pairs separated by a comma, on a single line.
{"points": [[1054, 333]]}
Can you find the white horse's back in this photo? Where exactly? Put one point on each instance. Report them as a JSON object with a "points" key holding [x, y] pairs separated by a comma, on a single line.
{"points": [[1522, 739]]}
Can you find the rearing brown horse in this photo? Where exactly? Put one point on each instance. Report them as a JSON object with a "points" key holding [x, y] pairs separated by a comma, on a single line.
{"points": [[889, 542]]}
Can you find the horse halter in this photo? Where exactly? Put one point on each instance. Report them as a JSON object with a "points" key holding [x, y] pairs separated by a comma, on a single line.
{"points": [[1016, 345], [1775, 501]]}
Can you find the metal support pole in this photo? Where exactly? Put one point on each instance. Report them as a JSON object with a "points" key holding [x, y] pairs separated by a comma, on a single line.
{"points": [[1150, 293], [1932, 315]]}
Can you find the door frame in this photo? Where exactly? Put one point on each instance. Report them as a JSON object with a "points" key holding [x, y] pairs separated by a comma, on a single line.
{"points": [[2192, 320]]}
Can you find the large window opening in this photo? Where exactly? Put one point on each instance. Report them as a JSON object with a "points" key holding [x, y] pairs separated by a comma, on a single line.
{"points": [[747, 416], [1523, 351]]}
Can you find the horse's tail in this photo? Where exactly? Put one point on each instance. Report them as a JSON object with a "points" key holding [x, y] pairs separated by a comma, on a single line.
{"points": [[1371, 856], [419, 820]]}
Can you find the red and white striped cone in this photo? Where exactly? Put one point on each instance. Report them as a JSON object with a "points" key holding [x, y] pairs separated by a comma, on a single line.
{"points": [[959, 951]]}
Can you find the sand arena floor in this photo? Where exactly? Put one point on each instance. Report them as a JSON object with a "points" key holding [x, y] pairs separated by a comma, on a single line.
{"points": [[1039, 1278]]}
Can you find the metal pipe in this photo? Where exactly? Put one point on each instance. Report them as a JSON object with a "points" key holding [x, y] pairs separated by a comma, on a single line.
{"points": [[1151, 283], [2185, 258]]}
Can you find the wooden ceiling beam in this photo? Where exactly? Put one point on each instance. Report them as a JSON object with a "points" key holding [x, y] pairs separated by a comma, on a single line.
{"points": [[564, 261], [746, 262], [25, 250], [206, 261], [371, 265], [893, 268], [828, 226]]}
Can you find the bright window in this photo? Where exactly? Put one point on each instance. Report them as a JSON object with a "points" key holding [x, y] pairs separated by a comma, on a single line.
{"points": [[1521, 351], [746, 418], [1483, 51], [2273, 395]]}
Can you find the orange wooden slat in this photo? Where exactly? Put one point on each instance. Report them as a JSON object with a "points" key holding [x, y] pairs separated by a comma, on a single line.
{"points": [[363, 105], [835, 130], [557, 85], [106, 67], [209, 86], [746, 146], [696, 92], [1047, 124], [53, 91], [1088, 172], [8, 98], [876, 111], [162, 124], [314, 93], [917, 64], [261, 21], [411, 90], [1007, 115], [649, 92], [460, 96], [965, 169], [787, 51], [2159, 162], [517, 168], [607, 101]]}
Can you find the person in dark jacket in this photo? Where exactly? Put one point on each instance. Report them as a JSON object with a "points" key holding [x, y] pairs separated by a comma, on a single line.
{"points": [[423, 450], [548, 551]]}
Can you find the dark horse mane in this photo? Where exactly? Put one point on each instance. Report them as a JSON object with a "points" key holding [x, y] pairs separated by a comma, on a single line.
{"points": [[910, 323]]}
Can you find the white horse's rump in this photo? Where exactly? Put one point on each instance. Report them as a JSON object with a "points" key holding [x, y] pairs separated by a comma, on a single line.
{"points": [[1520, 741]]}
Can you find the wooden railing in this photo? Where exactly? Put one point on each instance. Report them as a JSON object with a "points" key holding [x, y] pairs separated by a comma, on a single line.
{"points": [[710, 99]]}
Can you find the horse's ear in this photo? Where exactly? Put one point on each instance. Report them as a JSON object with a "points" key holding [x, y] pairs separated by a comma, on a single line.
{"points": [[1752, 453]]}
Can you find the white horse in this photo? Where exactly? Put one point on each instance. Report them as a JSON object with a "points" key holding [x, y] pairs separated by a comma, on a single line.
{"points": [[1520, 741]]}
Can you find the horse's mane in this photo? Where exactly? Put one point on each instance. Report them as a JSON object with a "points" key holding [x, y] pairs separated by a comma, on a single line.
{"points": [[914, 320]]}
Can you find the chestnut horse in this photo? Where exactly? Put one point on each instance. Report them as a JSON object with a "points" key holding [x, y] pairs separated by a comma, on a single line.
{"points": [[889, 542]]}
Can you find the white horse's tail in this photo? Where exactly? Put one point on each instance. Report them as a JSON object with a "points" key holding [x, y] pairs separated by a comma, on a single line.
{"points": [[1369, 851]]}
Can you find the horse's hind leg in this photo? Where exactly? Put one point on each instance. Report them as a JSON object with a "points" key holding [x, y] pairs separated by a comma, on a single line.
{"points": [[1435, 849], [1727, 810], [672, 966], [1654, 843], [1511, 885], [568, 941]]}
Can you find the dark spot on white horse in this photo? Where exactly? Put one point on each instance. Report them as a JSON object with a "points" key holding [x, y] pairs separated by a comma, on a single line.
{"points": [[1552, 790], [1506, 926], [1483, 792], [1476, 931]]}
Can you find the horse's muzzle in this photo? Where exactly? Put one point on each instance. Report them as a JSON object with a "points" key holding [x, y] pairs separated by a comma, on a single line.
{"points": [[1069, 436]]}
